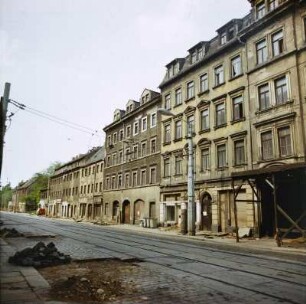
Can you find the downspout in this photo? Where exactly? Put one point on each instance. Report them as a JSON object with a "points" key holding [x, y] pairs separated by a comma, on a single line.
{"points": [[299, 86]]}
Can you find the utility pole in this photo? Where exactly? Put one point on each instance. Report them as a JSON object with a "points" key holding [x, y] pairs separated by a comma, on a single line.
{"points": [[3, 112]]}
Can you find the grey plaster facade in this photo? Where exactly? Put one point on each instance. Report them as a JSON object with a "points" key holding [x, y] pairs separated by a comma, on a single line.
{"points": [[132, 171]]}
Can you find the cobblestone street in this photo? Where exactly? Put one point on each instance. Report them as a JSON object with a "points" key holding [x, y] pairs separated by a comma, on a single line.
{"points": [[173, 269]]}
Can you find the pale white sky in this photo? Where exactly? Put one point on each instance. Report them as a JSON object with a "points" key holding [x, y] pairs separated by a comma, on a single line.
{"points": [[81, 59]]}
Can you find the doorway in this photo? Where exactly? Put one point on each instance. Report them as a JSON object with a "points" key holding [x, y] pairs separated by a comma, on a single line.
{"points": [[126, 207], [206, 211]]}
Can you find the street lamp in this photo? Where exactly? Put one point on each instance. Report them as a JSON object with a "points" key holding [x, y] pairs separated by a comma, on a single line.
{"points": [[190, 181]]}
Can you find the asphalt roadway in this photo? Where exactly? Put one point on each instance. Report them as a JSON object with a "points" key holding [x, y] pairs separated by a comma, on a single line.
{"points": [[180, 270]]}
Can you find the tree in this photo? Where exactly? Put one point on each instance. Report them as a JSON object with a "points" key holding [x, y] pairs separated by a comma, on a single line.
{"points": [[6, 194]]}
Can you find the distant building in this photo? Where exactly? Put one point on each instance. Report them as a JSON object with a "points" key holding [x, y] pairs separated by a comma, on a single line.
{"points": [[75, 190]]}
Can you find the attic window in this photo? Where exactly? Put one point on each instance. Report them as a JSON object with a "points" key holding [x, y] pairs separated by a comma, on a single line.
{"points": [[260, 10], [145, 98], [196, 55], [231, 33], [223, 38]]}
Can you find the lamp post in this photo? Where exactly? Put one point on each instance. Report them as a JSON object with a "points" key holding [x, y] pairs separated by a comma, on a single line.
{"points": [[190, 182]]}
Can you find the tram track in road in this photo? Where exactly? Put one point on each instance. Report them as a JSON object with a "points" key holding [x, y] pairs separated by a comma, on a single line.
{"points": [[80, 234]]}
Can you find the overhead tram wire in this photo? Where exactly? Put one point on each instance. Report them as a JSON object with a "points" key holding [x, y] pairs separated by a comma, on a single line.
{"points": [[53, 118]]}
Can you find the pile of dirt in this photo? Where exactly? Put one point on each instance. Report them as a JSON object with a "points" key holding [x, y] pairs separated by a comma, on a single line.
{"points": [[94, 281], [40, 255], [8, 233]]}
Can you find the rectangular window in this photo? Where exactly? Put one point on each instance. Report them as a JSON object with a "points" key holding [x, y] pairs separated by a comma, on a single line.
{"points": [[205, 119], [230, 33], [190, 125], [190, 89], [114, 138], [168, 102], [236, 66], [278, 43], [170, 213], [205, 159], [167, 134], [152, 175], [113, 182], [153, 120], [109, 140], [119, 181], [135, 152], [136, 128], [178, 165], [143, 177], [284, 139], [239, 152], [272, 5], [121, 135], [200, 53], [221, 156], [127, 180], [267, 145], [114, 159], [260, 10], [220, 114], [237, 108], [166, 167], [120, 157], [223, 38], [178, 129], [144, 124], [261, 51], [153, 145], [127, 154], [134, 179], [193, 57], [178, 97], [281, 92], [219, 75], [264, 96], [128, 131], [204, 82], [143, 149]]}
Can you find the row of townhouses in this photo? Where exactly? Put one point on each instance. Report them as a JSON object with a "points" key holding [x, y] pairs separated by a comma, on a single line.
{"points": [[241, 96]]}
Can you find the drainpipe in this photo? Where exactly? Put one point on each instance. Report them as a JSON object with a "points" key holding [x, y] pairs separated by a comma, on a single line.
{"points": [[299, 87]]}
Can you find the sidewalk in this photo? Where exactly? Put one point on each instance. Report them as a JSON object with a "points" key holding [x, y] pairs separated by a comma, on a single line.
{"points": [[260, 245], [19, 284]]}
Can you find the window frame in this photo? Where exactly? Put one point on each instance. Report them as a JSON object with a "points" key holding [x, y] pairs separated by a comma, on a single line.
{"points": [[190, 90], [219, 75], [203, 82], [224, 159]]}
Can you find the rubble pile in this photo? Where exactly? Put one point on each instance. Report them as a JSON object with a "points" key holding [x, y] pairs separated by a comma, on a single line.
{"points": [[8, 233], [40, 255]]}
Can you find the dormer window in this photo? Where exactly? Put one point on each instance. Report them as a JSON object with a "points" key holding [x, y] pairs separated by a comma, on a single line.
{"points": [[223, 38], [260, 10], [231, 33], [196, 52], [194, 57]]}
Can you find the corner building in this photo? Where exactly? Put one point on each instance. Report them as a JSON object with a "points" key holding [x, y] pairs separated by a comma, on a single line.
{"points": [[132, 166], [242, 93]]}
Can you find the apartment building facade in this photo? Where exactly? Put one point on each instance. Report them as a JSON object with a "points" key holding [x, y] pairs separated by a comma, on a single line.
{"points": [[243, 96], [131, 175], [76, 188]]}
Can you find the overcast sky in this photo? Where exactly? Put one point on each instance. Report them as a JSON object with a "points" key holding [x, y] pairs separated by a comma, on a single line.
{"points": [[79, 60]]}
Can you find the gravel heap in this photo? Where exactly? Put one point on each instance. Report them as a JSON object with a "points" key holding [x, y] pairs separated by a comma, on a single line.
{"points": [[8, 233], [39, 256]]}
